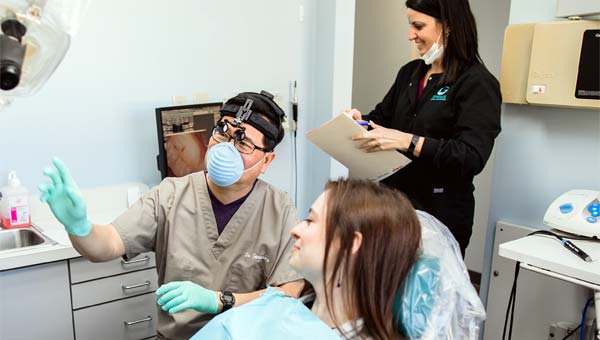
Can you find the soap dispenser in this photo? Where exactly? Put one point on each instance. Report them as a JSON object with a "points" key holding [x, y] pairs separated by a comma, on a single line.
{"points": [[14, 204]]}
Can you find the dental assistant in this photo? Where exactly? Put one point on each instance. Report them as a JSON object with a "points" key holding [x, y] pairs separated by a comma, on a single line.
{"points": [[221, 236], [443, 112]]}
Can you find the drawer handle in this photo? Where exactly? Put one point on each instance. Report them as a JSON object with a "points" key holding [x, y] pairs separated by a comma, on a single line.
{"points": [[147, 283], [130, 323], [146, 258]]}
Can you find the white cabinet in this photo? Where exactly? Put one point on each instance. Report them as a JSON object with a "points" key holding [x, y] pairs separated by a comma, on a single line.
{"points": [[35, 303], [114, 300]]}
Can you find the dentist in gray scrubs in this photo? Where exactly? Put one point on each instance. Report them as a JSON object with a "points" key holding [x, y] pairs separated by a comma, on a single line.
{"points": [[221, 236]]}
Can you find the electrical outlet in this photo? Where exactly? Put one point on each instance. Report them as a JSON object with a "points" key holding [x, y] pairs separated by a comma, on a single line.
{"points": [[559, 330]]}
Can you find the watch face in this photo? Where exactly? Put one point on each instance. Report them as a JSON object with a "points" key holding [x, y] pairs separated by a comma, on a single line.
{"points": [[227, 298]]}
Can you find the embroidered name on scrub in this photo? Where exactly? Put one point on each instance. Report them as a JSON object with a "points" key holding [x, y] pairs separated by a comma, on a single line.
{"points": [[257, 257], [441, 94]]}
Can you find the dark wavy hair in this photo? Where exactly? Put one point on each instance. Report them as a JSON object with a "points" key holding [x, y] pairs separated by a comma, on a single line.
{"points": [[391, 237], [460, 32]]}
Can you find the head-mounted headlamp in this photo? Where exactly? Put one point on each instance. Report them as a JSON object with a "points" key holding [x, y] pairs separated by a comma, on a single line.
{"points": [[243, 108]]}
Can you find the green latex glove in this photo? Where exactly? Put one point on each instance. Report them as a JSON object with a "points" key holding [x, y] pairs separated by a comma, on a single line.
{"points": [[64, 199], [181, 295]]}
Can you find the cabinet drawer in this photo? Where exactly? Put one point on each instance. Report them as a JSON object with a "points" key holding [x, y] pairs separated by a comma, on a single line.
{"points": [[114, 288], [84, 270], [128, 319]]}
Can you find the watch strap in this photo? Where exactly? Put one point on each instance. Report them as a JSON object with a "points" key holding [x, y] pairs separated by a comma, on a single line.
{"points": [[413, 144]]}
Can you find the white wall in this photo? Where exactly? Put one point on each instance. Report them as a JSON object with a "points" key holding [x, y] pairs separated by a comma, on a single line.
{"points": [[97, 111]]}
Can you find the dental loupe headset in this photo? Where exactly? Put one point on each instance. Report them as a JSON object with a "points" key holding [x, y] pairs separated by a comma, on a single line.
{"points": [[245, 114]]}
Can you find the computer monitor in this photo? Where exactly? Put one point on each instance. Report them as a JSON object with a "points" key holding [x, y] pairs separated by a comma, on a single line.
{"points": [[183, 136]]}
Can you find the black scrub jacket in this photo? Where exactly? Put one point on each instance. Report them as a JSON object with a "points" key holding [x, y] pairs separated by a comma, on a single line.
{"points": [[459, 122]]}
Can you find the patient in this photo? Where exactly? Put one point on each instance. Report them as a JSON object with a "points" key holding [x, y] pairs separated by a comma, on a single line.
{"points": [[356, 247]]}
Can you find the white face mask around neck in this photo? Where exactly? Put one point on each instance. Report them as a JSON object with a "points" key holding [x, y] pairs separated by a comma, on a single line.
{"points": [[434, 52]]}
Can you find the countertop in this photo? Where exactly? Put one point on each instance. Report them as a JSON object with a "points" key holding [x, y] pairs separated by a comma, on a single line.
{"points": [[104, 205]]}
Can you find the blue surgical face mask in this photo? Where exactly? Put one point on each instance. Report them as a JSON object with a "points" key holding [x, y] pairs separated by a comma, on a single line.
{"points": [[224, 164], [434, 52]]}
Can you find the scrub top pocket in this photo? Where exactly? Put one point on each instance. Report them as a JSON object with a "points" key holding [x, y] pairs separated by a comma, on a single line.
{"points": [[245, 279]]}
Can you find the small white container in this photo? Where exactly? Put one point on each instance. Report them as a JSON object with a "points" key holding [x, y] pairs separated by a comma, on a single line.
{"points": [[14, 204]]}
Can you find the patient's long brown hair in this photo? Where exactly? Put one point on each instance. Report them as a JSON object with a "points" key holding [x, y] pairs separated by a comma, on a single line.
{"points": [[391, 237]]}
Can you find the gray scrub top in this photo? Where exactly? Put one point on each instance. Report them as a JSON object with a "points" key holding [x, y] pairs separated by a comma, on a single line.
{"points": [[175, 219]]}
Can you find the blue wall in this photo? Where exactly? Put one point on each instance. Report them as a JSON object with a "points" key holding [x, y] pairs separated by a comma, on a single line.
{"points": [[314, 165], [541, 153]]}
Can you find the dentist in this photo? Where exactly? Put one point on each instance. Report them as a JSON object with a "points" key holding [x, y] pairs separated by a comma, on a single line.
{"points": [[221, 236]]}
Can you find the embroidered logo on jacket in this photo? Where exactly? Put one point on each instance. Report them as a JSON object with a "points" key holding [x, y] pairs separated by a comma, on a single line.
{"points": [[441, 94]]}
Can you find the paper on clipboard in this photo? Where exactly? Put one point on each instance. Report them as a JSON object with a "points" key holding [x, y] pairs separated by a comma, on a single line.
{"points": [[335, 138]]}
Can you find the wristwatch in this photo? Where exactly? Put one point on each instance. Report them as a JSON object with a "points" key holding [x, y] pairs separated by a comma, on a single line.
{"points": [[227, 299], [413, 144]]}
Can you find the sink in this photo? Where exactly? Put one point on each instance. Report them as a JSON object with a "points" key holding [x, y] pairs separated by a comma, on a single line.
{"points": [[18, 239]]}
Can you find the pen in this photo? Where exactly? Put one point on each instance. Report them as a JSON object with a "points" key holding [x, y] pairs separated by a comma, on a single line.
{"points": [[362, 122], [576, 250]]}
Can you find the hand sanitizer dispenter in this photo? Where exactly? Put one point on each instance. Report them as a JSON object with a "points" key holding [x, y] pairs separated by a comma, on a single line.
{"points": [[14, 204]]}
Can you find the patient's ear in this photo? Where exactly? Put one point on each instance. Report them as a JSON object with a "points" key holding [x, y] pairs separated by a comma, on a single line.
{"points": [[357, 242]]}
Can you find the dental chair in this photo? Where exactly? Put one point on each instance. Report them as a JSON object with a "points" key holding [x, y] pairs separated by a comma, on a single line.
{"points": [[438, 300]]}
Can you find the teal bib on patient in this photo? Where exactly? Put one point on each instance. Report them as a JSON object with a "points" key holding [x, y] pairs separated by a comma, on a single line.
{"points": [[272, 316]]}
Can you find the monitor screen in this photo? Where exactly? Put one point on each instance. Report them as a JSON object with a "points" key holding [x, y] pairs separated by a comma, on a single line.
{"points": [[588, 75], [183, 136]]}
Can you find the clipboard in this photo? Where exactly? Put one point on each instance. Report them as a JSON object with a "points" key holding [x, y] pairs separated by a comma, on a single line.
{"points": [[335, 138]]}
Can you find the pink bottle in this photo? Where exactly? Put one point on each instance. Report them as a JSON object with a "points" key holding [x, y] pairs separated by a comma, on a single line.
{"points": [[14, 204]]}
